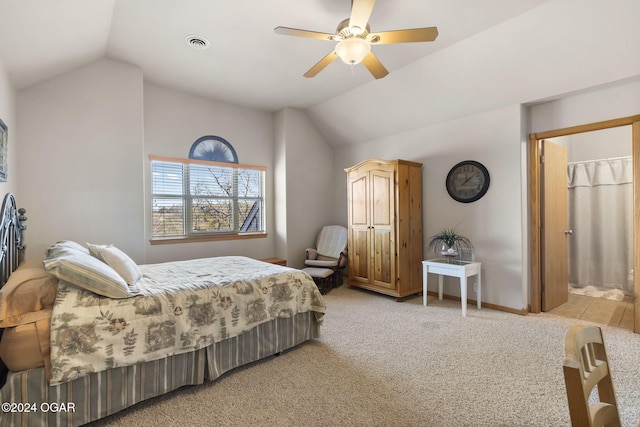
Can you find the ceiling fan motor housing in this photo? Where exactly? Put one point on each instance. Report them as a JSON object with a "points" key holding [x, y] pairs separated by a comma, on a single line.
{"points": [[344, 31]]}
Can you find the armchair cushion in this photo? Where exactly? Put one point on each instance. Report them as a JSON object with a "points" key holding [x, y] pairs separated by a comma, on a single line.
{"points": [[322, 263], [332, 241], [331, 249], [325, 261]]}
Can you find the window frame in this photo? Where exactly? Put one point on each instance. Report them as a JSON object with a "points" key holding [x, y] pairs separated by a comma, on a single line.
{"points": [[187, 199]]}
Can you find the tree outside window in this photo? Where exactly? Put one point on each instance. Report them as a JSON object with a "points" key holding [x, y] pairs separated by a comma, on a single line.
{"points": [[193, 198]]}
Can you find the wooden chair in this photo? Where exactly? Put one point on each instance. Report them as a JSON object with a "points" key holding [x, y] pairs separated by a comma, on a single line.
{"points": [[585, 367]]}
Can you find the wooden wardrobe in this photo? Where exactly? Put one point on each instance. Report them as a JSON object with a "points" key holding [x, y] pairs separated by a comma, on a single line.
{"points": [[385, 226]]}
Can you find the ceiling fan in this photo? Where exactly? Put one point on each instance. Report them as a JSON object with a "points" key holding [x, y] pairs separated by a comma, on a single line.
{"points": [[355, 38]]}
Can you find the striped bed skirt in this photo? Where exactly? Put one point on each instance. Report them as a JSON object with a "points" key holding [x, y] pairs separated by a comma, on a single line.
{"points": [[27, 399]]}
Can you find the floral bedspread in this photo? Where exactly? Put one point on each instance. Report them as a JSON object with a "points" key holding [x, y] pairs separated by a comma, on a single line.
{"points": [[182, 306]]}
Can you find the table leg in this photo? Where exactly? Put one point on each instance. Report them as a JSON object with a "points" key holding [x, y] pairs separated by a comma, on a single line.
{"points": [[479, 288], [463, 294], [440, 279], [425, 272]]}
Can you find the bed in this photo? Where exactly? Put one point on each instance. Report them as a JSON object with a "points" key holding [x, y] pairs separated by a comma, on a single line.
{"points": [[87, 333]]}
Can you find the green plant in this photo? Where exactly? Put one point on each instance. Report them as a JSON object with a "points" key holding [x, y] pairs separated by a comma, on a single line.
{"points": [[449, 238]]}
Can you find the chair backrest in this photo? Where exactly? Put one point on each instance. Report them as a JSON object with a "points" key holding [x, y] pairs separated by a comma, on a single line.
{"points": [[332, 240], [585, 367]]}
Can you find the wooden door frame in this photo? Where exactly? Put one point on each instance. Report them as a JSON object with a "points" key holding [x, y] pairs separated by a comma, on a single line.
{"points": [[533, 176]]}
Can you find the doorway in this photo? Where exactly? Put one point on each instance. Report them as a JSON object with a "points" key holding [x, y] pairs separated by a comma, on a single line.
{"points": [[537, 242], [617, 313], [599, 174]]}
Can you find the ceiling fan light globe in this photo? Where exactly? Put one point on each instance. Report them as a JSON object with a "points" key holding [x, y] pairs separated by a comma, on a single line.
{"points": [[353, 50]]}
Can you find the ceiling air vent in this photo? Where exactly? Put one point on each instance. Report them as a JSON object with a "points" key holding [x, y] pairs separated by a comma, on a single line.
{"points": [[197, 42]]}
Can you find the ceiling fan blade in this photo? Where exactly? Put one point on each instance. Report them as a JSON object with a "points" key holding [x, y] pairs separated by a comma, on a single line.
{"points": [[303, 33], [374, 66], [428, 34], [321, 64], [360, 13]]}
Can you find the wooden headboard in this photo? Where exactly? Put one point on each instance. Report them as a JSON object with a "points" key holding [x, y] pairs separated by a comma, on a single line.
{"points": [[12, 243]]}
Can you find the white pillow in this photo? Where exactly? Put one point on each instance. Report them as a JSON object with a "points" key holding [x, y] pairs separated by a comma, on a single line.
{"points": [[62, 246], [87, 272], [118, 260]]}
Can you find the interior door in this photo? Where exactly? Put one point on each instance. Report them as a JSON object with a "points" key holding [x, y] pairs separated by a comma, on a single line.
{"points": [[555, 226]]}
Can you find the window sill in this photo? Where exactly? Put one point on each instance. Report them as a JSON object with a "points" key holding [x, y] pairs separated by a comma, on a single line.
{"points": [[207, 238]]}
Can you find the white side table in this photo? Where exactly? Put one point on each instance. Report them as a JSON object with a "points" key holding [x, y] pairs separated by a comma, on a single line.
{"points": [[453, 268]]}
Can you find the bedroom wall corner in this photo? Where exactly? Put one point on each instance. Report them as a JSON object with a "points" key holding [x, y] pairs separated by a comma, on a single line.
{"points": [[309, 185], [8, 115], [80, 174], [524, 209], [493, 223], [280, 184], [173, 121]]}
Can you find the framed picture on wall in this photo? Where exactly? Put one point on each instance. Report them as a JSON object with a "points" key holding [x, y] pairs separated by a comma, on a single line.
{"points": [[4, 143]]}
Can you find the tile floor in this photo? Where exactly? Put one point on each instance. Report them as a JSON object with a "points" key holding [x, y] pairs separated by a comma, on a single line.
{"points": [[598, 310]]}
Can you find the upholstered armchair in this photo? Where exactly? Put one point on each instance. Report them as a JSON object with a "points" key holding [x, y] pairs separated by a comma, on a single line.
{"points": [[330, 251]]}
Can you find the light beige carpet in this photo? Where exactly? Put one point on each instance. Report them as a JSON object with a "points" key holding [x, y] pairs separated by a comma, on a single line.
{"points": [[385, 363]]}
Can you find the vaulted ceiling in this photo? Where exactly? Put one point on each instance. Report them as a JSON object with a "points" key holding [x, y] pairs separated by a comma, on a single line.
{"points": [[247, 63]]}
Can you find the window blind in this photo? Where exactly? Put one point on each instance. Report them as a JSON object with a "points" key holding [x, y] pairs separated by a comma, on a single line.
{"points": [[195, 197]]}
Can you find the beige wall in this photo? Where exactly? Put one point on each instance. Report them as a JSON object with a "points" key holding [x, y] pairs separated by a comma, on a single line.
{"points": [[497, 223], [80, 174], [493, 223], [595, 145], [8, 116], [173, 121], [87, 135], [306, 186], [612, 101]]}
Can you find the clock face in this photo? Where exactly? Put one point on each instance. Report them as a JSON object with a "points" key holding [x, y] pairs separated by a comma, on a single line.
{"points": [[467, 181]]}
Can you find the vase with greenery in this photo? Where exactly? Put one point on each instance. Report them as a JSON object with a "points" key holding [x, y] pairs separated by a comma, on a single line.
{"points": [[449, 243]]}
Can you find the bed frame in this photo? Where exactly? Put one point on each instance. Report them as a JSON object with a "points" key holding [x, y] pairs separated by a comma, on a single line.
{"points": [[12, 249], [12, 229], [100, 394]]}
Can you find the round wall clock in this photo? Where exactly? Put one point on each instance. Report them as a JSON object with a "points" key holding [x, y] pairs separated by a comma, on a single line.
{"points": [[467, 181]]}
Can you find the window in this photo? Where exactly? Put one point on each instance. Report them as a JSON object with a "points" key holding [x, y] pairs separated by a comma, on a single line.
{"points": [[213, 148], [197, 198]]}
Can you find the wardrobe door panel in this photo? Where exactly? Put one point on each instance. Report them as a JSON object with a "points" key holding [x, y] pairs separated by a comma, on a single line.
{"points": [[359, 254], [359, 201], [382, 195], [383, 258]]}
